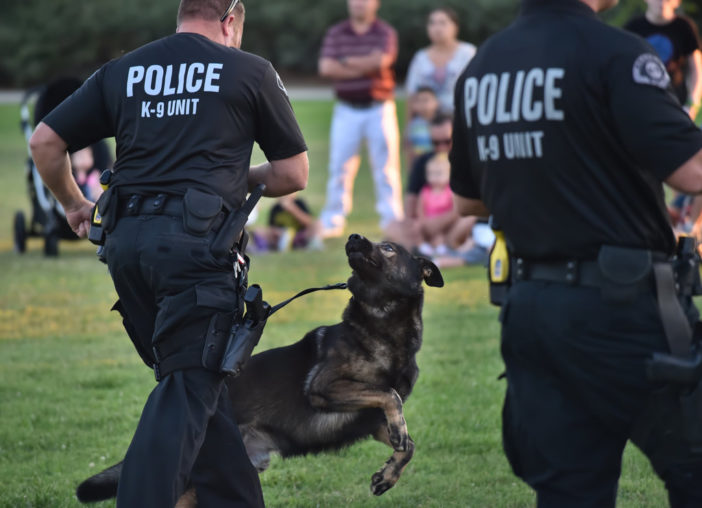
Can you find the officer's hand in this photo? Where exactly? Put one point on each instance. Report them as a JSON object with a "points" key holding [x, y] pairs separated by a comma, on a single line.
{"points": [[78, 217]]}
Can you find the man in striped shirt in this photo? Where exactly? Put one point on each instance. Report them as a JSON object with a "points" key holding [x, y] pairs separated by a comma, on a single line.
{"points": [[358, 55]]}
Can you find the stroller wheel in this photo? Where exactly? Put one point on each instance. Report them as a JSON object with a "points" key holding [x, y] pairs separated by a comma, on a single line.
{"points": [[51, 241], [20, 232]]}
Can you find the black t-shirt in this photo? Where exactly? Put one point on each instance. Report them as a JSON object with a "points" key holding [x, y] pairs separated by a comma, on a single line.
{"points": [[418, 174], [674, 42], [567, 144], [185, 112]]}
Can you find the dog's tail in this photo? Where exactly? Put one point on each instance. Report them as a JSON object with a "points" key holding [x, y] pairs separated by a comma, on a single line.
{"points": [[100, 486]]}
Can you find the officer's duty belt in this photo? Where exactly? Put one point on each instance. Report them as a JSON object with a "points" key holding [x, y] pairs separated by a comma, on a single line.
{"points": [[162, 204], [571, 272]]}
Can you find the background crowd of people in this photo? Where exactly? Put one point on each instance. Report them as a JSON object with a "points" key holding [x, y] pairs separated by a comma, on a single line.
{"points": [[358, 56]]}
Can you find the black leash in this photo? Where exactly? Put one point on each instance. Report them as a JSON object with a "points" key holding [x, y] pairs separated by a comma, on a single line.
{"points": [[339, 285]]}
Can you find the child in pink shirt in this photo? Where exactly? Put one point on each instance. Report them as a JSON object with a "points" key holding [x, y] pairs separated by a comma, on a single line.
{"points": [[435, 199]]}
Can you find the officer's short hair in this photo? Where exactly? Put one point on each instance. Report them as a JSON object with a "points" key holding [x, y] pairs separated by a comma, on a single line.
{"points": [[209, 10]]}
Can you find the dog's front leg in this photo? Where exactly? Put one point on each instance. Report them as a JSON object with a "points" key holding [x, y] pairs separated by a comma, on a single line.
{"points": [[388, 475], [347, 396], [353, 396]]}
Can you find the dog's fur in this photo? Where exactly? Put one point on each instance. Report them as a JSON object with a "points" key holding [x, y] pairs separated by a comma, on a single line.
{"points": [[340, 383]]}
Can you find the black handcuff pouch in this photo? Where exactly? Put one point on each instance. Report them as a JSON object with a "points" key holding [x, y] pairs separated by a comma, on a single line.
{"points": [[200, 210], [624, 271]]}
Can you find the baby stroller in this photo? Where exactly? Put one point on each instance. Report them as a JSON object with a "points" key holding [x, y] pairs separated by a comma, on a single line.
{"points": [[48, 218]]}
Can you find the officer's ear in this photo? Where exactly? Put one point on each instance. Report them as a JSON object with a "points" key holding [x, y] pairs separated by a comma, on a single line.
{"points": [[232, 30]]}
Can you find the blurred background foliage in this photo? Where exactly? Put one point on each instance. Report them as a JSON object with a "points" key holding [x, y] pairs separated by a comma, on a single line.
{"points": [[42, 39]]}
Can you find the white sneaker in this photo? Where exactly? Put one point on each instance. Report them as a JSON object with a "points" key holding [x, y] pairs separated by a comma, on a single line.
{"points": [[426, 249]]}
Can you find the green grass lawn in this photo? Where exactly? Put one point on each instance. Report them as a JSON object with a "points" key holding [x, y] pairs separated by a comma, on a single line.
{"points": [[72, 388]]}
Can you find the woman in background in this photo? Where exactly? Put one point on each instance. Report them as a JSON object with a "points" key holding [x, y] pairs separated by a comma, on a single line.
{"points": [[438, 65]]}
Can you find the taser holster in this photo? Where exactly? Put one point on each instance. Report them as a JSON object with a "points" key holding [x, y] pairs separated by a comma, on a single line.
{"points": [[103, 217], [499, 269]]}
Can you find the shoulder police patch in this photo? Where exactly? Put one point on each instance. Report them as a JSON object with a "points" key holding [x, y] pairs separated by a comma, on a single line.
{"points": [[649, 70], [280, 84]]}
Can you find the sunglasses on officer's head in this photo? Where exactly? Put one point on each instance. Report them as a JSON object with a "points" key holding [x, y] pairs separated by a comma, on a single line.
{"points": [[229, 10]]}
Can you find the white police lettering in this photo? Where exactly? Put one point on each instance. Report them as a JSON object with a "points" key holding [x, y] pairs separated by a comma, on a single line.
{"points": [[163, 81], [531, 96]]}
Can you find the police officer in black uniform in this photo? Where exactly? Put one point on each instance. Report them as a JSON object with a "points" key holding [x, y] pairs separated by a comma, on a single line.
{"points": [[565, 129], [185, 111]]}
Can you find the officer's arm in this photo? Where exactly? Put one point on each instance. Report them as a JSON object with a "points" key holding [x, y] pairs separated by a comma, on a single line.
{"points": [[465, 206], [688, 177], [52, 161], [282, 176], [337, 69]]}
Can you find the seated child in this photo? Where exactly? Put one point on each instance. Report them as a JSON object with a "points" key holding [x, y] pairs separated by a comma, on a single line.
{"points": [[435, 201], [290, 226]]}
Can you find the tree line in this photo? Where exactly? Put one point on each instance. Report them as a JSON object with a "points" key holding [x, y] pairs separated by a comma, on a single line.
{"points": [[44, 39]]}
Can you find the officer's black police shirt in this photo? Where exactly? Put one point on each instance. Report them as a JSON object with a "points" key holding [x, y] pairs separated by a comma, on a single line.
{"points": [[185, 112], [565, 128]]}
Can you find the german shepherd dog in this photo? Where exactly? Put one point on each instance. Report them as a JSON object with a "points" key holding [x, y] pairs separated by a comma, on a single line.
{"points": [[340, 383]]}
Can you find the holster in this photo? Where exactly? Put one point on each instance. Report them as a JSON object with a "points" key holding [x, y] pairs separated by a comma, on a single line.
{"points": [[499, 269], [623, 271], [103, 217], [681, 370], [244, 336]]}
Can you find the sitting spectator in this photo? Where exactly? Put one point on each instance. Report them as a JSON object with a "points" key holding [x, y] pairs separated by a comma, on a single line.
{"points": [[474, 251], [439, 236], [423, 108], [406, 232], [435, 200], [291, 225]]}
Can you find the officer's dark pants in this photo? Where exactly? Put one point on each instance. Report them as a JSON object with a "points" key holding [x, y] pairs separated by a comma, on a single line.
{"points": [[577, 388], [170, 287]]}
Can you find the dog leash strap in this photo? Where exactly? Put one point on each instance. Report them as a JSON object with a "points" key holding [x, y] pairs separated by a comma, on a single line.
{"points": [[339, 285]]}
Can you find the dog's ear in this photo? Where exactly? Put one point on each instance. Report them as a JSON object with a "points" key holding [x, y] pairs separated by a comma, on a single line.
{"points": [[430, 273]]}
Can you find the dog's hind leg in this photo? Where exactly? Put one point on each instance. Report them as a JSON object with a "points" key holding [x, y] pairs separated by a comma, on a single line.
{"points": [[386, 477]]}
